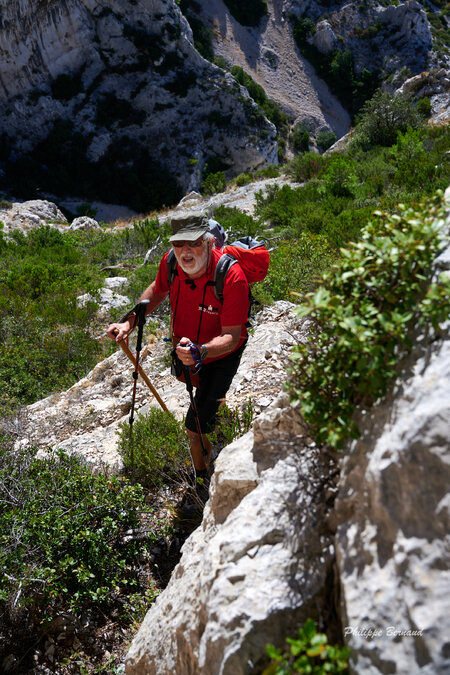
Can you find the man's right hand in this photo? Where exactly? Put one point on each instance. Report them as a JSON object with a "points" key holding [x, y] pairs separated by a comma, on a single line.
{"points": [[118, 331]]}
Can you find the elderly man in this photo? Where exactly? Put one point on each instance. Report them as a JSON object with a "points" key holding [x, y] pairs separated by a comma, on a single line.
{"points": [[213, 331]]}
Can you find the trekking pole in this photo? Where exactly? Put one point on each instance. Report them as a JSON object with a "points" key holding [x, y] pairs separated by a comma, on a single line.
{"points": [[189, 387], [143, 374], [140, 317]]}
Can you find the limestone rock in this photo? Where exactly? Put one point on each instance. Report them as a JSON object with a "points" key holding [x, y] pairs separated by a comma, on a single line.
{"points": [[85, 223], [140, 55], [30, 214], [435, 84], [410, 20], [324, 38], [245, 577], [393, 509]]}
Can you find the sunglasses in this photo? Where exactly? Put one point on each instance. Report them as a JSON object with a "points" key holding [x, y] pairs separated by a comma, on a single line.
{"points": [[191, 244]]}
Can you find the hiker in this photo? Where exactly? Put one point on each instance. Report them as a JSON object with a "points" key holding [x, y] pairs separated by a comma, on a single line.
{"points": [[205, 332]]}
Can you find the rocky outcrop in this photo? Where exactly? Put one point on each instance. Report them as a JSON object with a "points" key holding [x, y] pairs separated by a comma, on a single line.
{"points": [[435, 85], [28, 215], [393, 524], [381, 38], [259, 565], [127, 78], [393, 533]]}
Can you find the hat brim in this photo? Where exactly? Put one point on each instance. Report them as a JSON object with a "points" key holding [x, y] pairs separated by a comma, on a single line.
{"points": [[187, 235]]}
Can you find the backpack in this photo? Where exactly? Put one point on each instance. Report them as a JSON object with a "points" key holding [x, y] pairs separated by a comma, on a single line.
{"points": [[252, 256]]}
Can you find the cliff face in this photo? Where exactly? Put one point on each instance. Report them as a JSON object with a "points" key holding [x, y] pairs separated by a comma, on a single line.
{"points": [[125, 77]]}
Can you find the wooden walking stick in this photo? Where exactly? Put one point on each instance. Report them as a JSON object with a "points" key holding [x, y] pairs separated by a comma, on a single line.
{"points": [[142, 373]]}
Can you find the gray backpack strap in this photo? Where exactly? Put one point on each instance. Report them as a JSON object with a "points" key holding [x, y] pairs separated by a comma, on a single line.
{"points": [[171, 267], [223, 265]]}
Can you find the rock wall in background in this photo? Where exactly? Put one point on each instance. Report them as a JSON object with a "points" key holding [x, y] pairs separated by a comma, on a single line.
{"points": [[127, 77]]}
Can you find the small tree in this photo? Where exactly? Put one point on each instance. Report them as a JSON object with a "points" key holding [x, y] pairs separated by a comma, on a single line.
{"points": [[325, 140], [383, 117]]}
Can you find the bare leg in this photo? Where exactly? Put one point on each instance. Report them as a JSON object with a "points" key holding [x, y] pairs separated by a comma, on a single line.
{"points": [[196, 450]]}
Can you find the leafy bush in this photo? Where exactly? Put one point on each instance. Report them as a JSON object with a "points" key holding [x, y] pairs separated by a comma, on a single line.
{"points": [[383, 117], [306, 166], [63, 543], [299, 138], [424, 107], [309, 653], [295, 268], [232, 423], [157, 451], [237, 224], [325, 140], [363, 314], [339, 179], [414, 164], [45, 337], [214, 183]]}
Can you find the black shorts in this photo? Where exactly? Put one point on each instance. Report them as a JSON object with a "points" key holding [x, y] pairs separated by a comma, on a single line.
{"points": [[214, 381]]}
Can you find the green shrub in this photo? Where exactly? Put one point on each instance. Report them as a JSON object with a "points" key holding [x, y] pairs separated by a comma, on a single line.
{"points": [[325, 139], [157, 451], [214, 183], [299, 138], [424, 107], [46, 339], [243, 179], [308, 653], [232, 423], [237, 224], [295, 268], [363, 315], [339, 179], [306, 166], [382, 117], [63, 543], [414, 164]]}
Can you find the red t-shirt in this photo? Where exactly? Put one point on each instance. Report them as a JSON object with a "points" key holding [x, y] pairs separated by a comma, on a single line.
{"points": [[196, 312]]}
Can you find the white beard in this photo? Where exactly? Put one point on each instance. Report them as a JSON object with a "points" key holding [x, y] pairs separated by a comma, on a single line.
{"points": [[190, 268]]}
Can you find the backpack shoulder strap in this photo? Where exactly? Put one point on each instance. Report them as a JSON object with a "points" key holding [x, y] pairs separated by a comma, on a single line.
{"points": [[223, 265], [171, 267]]}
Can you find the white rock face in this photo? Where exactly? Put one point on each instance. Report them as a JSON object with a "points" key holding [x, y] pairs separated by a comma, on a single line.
{"points": [[393, 540], [246, 576], [25, 216], [179, 105], [434, 84], [411, 21], [84, 223], [324, 38]]}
